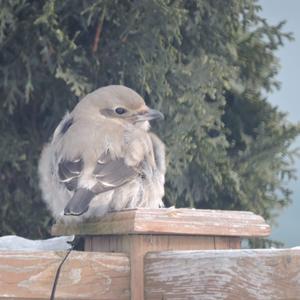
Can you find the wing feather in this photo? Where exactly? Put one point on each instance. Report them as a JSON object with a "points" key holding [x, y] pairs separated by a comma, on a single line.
{"points": [[109, 174], [112, 173], [69, 172]]}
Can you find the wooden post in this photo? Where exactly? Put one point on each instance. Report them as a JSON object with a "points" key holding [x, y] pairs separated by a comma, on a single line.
{"points": [[138, 231]]}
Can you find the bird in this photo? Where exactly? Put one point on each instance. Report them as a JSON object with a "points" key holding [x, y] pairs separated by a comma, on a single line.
{"points": [[102, 157]]}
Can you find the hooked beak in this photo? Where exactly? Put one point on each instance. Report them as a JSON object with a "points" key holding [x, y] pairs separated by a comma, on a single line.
{"points": [[150, 114]]}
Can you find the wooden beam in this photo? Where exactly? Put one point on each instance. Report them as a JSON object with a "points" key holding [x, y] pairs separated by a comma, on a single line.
{"points": [[223, 274], [170, 221], [84, 275]]}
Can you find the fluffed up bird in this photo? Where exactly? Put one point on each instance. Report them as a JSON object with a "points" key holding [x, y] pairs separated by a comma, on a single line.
{"points": [[103, 158]]}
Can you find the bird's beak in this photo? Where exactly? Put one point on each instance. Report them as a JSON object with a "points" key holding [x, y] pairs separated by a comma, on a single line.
{"points": [[149, 114]]}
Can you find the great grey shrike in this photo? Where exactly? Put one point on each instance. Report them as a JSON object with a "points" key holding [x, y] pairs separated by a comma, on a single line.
{"points": [[103, 158]]}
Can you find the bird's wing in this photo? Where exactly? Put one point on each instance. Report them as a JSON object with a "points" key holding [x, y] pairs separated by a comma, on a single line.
{"points": [[112, 173], [109, 174], [69, 171]]}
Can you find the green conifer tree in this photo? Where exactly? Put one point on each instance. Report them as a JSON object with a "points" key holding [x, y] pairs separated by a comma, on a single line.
{"points": [[205, 64]]}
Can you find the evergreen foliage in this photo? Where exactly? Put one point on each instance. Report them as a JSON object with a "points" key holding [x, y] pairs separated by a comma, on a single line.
{"points": [[205, 64]]}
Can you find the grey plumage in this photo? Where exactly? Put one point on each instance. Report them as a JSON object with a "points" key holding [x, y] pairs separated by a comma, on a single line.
{"points": [[102, 157], [69, 172]]}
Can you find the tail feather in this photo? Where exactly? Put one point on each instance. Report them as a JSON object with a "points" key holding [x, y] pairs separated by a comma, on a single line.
{"points": [[79, 203]]}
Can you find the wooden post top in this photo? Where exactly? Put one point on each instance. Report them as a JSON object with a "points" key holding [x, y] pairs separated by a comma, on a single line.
{"points": [[169, 221]]}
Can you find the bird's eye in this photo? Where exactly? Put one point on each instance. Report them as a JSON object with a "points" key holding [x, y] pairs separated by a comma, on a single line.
{"points": [[120, 110]]}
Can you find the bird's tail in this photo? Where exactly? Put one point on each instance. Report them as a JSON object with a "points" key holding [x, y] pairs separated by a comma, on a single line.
{"points": [[79, 203]]}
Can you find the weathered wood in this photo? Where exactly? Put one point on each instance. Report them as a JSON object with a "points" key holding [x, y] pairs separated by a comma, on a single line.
{"points": [[138, 231], [85, 275], [138, 245], [223, 274], [170, 221], [122, 243]]}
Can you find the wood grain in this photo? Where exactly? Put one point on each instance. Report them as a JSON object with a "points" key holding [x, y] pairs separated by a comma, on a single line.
{"points": [[85, 275], [138, 245], [170, 221], [223, 274], [138, 231]]}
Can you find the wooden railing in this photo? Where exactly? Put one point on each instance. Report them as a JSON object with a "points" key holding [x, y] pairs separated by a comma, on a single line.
{"points": [[85, 275], [223, 274], [157, 254]]}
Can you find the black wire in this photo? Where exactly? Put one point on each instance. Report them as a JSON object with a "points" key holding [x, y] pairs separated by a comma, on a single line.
{"points": [[73, 245]]}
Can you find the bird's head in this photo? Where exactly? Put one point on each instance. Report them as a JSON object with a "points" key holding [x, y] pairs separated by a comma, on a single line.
{"points": [[119, 103]]}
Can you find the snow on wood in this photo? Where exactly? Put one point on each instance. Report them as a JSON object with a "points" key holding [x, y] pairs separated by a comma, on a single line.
{"points": [[170, 221], [223, 274], [13, 242], [84, 275]]}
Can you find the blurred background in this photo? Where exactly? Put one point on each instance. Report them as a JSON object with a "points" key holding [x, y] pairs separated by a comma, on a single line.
{"points": [[212, 69], [287, 99]]}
